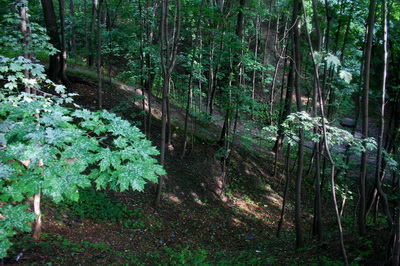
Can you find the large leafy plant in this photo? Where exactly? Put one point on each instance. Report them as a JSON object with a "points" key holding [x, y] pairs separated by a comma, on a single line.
{"points": [[49, 148]]}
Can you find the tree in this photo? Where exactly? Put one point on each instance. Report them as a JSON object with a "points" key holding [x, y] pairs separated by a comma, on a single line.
{"points": [[57, 67], [168, 59], [365, 115], [26, 32], [300, 153], [51, 149]]}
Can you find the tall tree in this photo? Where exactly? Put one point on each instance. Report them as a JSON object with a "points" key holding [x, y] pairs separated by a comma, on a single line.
{"points": [[168, 59], [300, 153], [26, 31], [379, 156], [365, 115], [57, 70]]}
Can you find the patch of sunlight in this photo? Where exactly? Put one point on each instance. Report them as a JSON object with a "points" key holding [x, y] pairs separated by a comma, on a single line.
{"points": [[236, 221], [250, 209], [197, 199], [174, 199]]}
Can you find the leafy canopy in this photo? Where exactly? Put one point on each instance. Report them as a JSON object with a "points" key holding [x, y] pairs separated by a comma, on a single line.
{"points": [[53, 149]]}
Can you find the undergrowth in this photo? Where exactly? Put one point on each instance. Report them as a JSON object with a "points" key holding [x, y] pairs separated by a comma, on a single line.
{"points": [[96, 205]]}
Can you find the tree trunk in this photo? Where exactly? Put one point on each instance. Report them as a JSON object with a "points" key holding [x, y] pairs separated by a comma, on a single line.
{"points": [[365, 116], [63, 54], [26, 30], [37, 225], [168, 59], [378, 171], [285, 195], [90, 59], [300, 153], [326, 145], [99, 58], [73, 27], [57, 67], [195, 44]]}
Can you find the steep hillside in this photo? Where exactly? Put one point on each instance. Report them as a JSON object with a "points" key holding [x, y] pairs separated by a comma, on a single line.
{"points": [[204, 218]]}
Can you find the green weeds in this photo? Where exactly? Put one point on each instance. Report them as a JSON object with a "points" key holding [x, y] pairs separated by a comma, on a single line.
{"points": [[96, 205]]}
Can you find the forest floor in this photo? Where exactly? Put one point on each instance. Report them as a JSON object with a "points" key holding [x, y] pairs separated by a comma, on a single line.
{"points": [[199, 221]]}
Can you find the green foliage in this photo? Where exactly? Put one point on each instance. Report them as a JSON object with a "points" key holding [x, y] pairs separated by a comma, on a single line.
{"points": [[95, 205], [334, 135], [11, 73], [56, 150], [11, 36], [14, 217], [243, 257], [184, 256]]}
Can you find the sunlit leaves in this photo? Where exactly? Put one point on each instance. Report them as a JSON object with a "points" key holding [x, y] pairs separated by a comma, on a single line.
{"points": [[335, 136], [62, 147], [13, 217], [346, 76], [50, 148], [333, 61]]}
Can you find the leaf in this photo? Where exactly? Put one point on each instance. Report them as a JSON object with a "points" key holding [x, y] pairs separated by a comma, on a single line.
{"points": [[346, 76], [318, 57], [84, 113], [108, 158], [5, 244], [120, 142], [15, 216], [332, 60], [6, 171], [16, 67], [60, 88]]}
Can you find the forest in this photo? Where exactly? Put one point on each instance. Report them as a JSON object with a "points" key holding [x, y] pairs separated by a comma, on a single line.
{"points": [[200, 132]]}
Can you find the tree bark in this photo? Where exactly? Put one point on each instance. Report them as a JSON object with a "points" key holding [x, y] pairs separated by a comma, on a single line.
{"points": [[195, 44], [168, 60], [99, 57], [300, 153], [63, 54], [326, 145], [37, 225], [57, 67], [73, 26], [26, 30], [365, 116]]}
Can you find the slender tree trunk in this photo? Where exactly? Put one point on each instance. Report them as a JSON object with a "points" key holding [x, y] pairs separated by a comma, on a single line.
{"points": [[99, 57], [253, 79], [168, 59], [210, 79], [91, 37], [285, 195], [365, 116], [142, 63], [287, 107], [63, 54], [150, 72], [395, 248], [37, 225], [300, 153], [25, 29], [195, 44], [73, 27], [317, 223], [378, 174], [85, 20], [326, 145]]}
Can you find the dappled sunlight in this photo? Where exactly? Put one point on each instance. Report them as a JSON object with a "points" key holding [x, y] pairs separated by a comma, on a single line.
{"points": [[173, 198]]}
